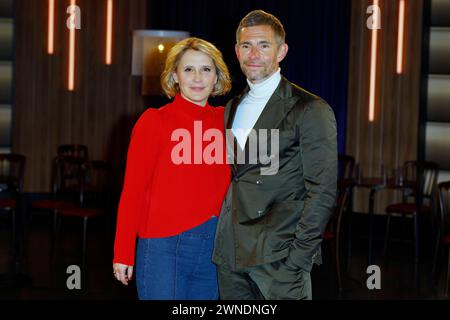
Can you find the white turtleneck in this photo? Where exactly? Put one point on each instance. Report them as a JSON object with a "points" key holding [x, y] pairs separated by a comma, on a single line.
{"points": [[252, 106]]}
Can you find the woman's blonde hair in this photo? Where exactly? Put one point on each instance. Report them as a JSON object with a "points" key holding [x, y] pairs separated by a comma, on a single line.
{"points": [[168, 84]]}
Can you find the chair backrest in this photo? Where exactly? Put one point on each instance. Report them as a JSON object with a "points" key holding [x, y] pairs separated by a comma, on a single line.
{"points": [[12, 167], [346, 165], [443, 217], [342, 197], [73, 150], [97, 184], [421, 176]]}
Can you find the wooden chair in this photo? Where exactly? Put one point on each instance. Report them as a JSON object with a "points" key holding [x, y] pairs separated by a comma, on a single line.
{"points": [[346, 175], [94, 199], [67, 175], [333, 232], [443, 231], [12, 168]]}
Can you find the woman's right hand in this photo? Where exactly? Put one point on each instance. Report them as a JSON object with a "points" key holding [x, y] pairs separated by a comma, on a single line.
{"points": [[123, 272]]}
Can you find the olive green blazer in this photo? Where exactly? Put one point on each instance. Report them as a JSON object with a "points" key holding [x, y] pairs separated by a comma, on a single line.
{"points": [[265, 218]]}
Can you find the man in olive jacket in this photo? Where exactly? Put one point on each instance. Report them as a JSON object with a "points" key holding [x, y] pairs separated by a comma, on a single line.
{"points": [[271, 223]]}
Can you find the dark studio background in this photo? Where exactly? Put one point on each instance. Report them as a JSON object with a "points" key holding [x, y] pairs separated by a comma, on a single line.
{"points": [[329, 55], [317, 33]]}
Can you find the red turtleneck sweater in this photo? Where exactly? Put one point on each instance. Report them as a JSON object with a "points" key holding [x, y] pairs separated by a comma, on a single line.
{"points": [[161, 198]]}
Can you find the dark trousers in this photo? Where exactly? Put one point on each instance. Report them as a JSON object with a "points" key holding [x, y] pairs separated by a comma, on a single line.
{"points": [[272, 281]]}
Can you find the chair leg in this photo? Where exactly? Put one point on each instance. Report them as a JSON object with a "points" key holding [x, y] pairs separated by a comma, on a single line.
{"points": [[435, 258], [83, 261], [416, 250], [30, 215], [54, 231], [386, 237], [55, 236], [349, 247], [349, 233], [83, 264], [338, 262], [14, 231], [448, 274], [331, 253]]}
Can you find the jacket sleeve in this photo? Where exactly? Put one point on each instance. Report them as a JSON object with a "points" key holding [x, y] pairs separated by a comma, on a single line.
{"points": [[141, 161], [318, 147]]}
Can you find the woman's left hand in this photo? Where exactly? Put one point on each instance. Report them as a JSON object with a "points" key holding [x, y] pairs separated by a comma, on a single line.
{"points": [[123, 272]]}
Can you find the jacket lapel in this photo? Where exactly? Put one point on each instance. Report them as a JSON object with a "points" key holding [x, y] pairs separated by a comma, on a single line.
{"points": [[276, 109], [230, 113]]}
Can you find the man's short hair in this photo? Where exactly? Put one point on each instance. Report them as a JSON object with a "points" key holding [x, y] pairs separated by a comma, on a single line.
{"points": [[259, 18]]}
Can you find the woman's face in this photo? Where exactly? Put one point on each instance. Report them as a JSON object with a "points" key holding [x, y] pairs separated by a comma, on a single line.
{"points": [[196, 76]]}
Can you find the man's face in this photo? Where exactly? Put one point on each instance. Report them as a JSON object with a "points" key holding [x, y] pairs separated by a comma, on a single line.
{"points": [[258, 53]]}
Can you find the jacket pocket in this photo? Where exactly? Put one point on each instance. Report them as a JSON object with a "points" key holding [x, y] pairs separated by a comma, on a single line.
{"points": [[280, 226]]}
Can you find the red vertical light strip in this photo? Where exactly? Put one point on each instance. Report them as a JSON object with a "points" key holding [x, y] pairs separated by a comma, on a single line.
{"points": [[51, 25], [373, 63], [71, 80], [400, 39], [109, 28]]}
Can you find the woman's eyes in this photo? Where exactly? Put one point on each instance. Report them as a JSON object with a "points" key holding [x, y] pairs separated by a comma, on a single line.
{"points": [[204, 69]]}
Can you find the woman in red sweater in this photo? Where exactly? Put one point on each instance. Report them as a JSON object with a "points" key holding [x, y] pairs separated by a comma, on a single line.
{"points": [[176, 178]]}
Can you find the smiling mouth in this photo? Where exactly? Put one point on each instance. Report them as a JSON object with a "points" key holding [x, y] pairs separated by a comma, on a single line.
{"points": [[197, 88], [250, 65]]}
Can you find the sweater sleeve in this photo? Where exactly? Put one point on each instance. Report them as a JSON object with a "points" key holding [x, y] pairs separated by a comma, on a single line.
{"points": [[141, 161]]}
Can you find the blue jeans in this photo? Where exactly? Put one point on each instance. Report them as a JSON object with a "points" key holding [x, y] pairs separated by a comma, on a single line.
{"points": [[178, 267]]}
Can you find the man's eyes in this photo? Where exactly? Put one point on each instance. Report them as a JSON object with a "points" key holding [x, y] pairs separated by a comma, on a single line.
{"points": [[260, 46]]}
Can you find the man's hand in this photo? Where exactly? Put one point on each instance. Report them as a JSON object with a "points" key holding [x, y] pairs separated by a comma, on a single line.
{"points": [[123, 272]]}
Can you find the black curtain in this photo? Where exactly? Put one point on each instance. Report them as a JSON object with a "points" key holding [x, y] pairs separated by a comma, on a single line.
{"points": [[317, 33]]}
